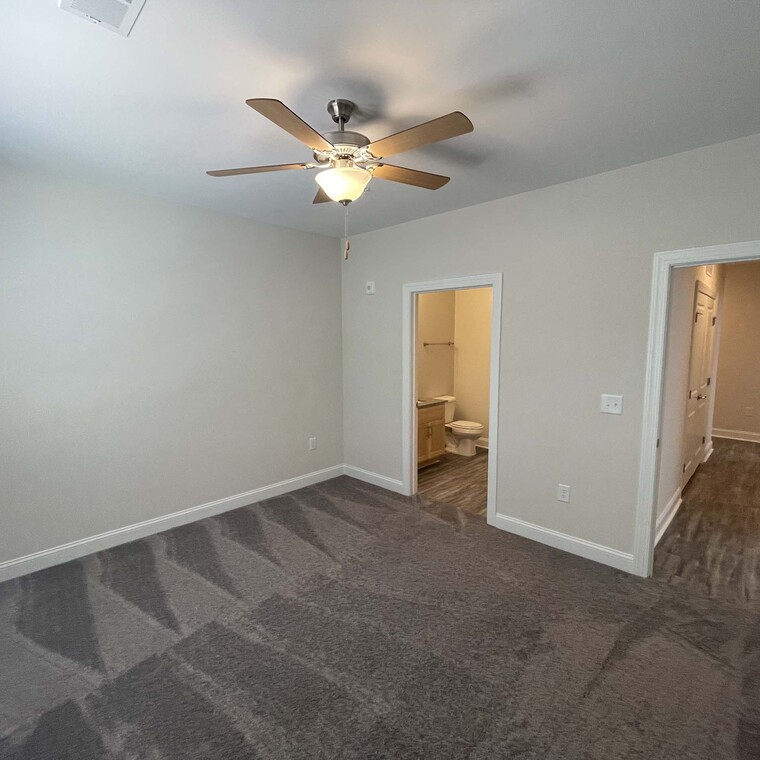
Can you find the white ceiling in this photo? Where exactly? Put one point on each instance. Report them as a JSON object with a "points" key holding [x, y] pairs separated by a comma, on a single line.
{"points": [[556, 90]]}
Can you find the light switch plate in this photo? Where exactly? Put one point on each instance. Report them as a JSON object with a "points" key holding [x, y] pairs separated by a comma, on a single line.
{"points": [[369, 288], [611, 404]]}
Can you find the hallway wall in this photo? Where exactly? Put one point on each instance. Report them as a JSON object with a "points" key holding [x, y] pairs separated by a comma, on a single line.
{"points": [[737, 406]]}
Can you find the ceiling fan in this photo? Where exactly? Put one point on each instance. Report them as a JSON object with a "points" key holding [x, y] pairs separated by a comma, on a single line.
{"points": [[348, 159]]}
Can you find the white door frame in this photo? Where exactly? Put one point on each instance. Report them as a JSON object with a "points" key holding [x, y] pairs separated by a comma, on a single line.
{"points": [[664, 263], [408, 375]]}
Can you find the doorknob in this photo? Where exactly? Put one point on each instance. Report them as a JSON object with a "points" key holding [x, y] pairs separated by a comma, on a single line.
{"points": [[700, 397]]}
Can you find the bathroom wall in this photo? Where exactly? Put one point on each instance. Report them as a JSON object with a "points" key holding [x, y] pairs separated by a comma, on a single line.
{"points": [[472, 363], [676, 382], [737, 393], [435, 324]]}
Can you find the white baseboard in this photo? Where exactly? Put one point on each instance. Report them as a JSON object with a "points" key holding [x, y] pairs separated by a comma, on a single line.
{"points": [[666, 516], [374, 478], [737, 435], [579, 546], [75, 549], [708, 451]]}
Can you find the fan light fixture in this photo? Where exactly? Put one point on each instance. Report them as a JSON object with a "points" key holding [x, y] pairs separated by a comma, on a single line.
{"points": [[344, 182]]}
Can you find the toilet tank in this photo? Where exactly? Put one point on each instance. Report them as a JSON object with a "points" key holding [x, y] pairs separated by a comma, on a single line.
{"points": [[450, 403]]}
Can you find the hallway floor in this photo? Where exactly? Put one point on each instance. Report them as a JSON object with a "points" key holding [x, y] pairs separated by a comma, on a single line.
{"points": [[456, 480], [713, 544]]}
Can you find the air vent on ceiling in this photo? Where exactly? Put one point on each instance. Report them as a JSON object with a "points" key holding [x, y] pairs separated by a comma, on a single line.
{"points": [[117, 15]]}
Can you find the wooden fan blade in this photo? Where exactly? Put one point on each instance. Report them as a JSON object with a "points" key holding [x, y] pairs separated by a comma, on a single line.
{"points": [[321, 197], [442, 128], [256, 170], [284, 118], [410, 176]]}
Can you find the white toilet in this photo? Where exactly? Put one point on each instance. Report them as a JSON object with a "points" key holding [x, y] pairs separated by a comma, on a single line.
{"points": [[460, 434]]}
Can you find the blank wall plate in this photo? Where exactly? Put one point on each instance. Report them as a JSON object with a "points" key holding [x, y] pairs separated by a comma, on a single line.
{"points": [[611, 404]]}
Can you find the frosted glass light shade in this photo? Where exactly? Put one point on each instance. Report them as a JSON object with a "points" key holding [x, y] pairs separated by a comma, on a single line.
{"points": [[345, 183]]}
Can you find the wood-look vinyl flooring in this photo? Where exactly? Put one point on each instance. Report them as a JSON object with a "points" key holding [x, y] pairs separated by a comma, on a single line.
{"points": [[457, 480], [713, 544]]}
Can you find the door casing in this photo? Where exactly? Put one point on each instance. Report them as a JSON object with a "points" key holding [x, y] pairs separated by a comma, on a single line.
{"points": [[664, 263]]}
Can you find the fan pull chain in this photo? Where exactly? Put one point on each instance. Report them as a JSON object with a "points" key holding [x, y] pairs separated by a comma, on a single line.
{"points": [[345, 233]]}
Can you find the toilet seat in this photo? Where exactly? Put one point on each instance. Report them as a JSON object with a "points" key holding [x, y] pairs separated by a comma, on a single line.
{"points": [[466, 426]]}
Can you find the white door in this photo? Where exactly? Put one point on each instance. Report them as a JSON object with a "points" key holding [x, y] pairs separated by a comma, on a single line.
{"points": [[696, 434]]}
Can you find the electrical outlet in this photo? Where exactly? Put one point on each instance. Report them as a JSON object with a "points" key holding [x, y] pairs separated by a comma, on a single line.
{"points": [[563, 492], [611, 404], [312, 444], [369, 288]]}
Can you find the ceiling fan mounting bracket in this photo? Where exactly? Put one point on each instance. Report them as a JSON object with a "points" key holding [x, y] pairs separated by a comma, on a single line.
{"points": [[340, 110]]}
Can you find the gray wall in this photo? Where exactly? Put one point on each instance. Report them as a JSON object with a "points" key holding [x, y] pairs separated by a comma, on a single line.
{"points": [[154, 357], [737, 406], [577, 263]]}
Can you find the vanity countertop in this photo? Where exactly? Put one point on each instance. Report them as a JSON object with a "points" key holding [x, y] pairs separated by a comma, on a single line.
{"points": [[428, 402]]}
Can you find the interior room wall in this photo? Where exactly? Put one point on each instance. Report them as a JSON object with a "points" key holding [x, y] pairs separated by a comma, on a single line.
{"points": [[155, 357], [737, 406], [577, 263], [472, 337], [676, 381], [435, 324]]}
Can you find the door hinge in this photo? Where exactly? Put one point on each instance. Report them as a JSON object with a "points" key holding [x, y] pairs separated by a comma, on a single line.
{"points": [[658, 443], [703, 439], [708, 380], [715, 319], [684, 467], [696, 317]]}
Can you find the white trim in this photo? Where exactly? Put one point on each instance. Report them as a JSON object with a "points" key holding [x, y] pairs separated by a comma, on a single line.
{"points": [[668, 514], [737, 435], [408, 369], [646, 502], [75, 549], [579, 546], [708, 451], [392, 484]]}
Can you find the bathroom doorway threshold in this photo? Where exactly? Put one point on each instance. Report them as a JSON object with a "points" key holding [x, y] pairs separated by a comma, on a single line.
{"points": [[408, 370]]}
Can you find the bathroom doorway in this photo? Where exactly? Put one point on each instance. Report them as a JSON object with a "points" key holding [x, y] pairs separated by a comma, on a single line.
{"points": [[451, 365]]}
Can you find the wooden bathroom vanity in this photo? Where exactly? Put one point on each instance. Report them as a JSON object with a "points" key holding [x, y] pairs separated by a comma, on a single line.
{"points": [[431, 431]]}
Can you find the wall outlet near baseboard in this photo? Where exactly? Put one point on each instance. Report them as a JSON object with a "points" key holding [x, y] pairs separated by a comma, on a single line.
{"points": [[312, 444], [563, 492]]}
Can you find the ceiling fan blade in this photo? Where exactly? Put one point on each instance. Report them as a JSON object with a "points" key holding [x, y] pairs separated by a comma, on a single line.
{"points": [[284, 118], [321, 197], [410, 176], [256, 170], [442, 128]]}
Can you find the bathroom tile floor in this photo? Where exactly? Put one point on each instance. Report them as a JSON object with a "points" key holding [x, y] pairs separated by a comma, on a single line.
{"points": [[457, 480]]}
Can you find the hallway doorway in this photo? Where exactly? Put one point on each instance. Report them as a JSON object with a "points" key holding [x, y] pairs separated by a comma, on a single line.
{"points": [[708, 497]]}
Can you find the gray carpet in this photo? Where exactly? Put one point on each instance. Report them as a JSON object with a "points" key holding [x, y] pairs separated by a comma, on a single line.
{"points": [[342, 621]]}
